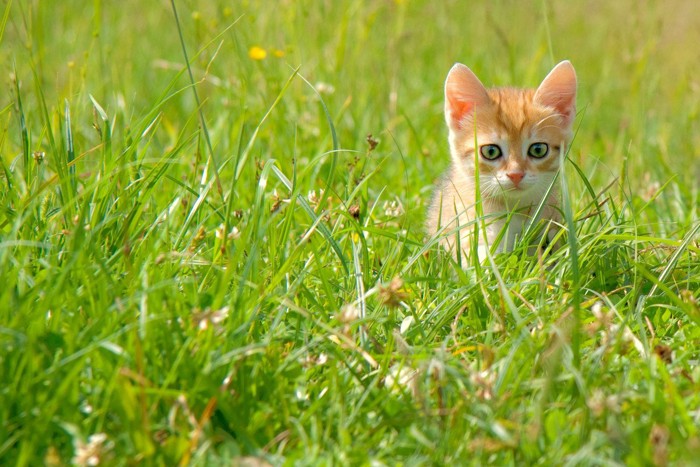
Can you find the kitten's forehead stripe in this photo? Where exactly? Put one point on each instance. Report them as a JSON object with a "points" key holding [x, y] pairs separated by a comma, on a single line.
{"points": [[513, 119]]}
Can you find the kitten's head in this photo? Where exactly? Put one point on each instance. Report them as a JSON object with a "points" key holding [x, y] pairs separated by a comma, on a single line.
{"points": [[519, 133]]}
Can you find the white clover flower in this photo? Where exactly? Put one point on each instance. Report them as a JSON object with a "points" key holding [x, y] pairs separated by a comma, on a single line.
{"points": [[348, 313], [315, 198], [599, 402], [402, 378], [652, 188], [93, 452], [233, 234], [484, 380], [393, 208], [310, 360], [210, 317], [324, 88]]}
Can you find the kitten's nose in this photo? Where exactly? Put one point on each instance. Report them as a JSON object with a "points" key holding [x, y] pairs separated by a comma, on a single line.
{"points": [[515, 177]]}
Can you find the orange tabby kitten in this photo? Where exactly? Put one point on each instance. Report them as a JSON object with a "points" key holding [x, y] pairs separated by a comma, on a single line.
{"points": [[516, 136]]}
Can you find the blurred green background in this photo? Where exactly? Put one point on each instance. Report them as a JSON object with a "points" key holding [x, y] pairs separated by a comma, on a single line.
{"points": [[385, 60]]}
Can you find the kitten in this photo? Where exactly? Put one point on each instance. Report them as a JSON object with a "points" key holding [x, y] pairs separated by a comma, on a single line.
{"points": [[520, 134]]}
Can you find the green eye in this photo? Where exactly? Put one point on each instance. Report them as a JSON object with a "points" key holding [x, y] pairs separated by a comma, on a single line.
{"points": [[490, 151], [538, 150]]}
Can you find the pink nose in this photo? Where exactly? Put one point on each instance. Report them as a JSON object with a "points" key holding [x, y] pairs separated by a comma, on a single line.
{"points": [[515, 177]]}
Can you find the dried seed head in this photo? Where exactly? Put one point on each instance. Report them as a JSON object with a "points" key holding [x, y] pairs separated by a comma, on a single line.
{"points": [[371, 142], [658, 438], [392, 294], [201, 234], [198, 238], [276, 201], [664, 352], [348, 313]]}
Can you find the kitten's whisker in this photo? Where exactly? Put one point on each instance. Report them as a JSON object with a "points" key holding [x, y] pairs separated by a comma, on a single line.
{"points": [[548, 126], [537, 125]]}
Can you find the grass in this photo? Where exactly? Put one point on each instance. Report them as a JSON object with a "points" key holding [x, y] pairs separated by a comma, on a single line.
{"points": [[241, 275]]}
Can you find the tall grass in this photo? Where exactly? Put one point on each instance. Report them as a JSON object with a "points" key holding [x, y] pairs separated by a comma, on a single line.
{"points": [[241, 275]]}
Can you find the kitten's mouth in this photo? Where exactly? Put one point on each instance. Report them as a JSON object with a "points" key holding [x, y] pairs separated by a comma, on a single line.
{"points": [[516, 191], [508, 186]]}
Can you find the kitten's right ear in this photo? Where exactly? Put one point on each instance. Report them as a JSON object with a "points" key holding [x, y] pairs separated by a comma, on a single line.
{"points": [[463, 93], [558, 90]]}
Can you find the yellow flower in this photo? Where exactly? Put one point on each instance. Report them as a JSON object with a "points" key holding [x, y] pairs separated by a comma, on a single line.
{"points": [[278, 53], [257, 53]]}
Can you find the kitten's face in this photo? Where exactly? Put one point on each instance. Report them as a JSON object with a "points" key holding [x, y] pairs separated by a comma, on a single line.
{"points": [[515, 135]]}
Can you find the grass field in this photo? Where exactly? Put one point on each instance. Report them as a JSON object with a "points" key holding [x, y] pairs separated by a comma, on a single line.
{"points": [[207, 261]]}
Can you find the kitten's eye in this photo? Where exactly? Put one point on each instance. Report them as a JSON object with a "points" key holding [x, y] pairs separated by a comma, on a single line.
{"points": [[538, 150], [490, 151]]}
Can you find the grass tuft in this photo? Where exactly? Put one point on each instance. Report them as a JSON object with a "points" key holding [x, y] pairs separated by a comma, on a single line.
{"points": [[219, 257]]}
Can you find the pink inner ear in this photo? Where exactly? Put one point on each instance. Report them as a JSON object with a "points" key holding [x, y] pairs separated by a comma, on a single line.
{"points": [[459, 109], [558, 90], [564, 104], [463, 92]]}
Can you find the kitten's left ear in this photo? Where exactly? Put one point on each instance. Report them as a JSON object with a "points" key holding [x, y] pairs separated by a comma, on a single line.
{"points": [[558, 90], [463, 94]]}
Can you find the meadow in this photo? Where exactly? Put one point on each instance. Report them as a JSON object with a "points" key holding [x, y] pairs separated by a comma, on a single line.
{"points": [[212, 248]]}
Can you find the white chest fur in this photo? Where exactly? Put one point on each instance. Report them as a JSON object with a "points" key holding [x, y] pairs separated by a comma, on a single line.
{"points": [[503, 232]]}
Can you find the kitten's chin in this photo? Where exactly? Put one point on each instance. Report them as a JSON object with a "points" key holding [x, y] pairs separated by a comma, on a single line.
{"points": [[521, 195]]}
